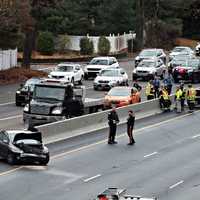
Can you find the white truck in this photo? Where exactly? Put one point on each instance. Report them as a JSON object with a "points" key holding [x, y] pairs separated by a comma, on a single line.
{"points": [[119, 194], [54, 100]]}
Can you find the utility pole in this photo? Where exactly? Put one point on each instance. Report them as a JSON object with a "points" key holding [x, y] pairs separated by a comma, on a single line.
{"points": [[140, 23]]}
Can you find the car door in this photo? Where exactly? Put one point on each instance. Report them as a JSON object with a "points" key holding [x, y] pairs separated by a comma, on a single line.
{"points": [[4, 144]]}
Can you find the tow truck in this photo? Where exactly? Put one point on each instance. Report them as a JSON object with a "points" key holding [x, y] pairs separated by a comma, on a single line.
{"points": [[55, 100], [119, 194]]}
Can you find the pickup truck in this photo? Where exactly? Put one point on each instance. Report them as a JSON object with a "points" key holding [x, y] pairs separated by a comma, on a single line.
{"points": [[54, 100]]}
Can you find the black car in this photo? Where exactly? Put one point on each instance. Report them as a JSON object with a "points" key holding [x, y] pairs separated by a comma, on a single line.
{"points": [[188, 70], [25, 92], [23, 146]]}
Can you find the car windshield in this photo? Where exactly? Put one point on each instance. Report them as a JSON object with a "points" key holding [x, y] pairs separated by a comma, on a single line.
{"points": [[120, 92], [99, 62], [110, 73], [31, 83], [64, 68], [182, 63], [180, 49], [148, 53], [146, 64], [47, 92]]}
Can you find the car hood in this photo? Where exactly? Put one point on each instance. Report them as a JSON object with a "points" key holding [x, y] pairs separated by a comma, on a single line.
{"points": [[61, 73], [117, 98], [106, 78], [96, 66], [35, 136]]}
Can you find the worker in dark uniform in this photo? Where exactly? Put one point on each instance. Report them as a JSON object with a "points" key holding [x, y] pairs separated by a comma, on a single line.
{"points": [[183, 96], [113, 120], [130, 127]]}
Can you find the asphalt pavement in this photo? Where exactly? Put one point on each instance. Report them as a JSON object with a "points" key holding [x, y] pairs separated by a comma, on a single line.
{"points": [[164, 163]]}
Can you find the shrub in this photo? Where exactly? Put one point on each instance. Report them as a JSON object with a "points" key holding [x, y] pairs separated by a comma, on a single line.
{"points": [[86, 46], [63, 43], [45, 43], [103, 46]]}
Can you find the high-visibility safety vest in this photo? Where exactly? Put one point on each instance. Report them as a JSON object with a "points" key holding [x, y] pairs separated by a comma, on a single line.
{"points": [[191, 94], [165, 95], [178, 94], [149, 90]]}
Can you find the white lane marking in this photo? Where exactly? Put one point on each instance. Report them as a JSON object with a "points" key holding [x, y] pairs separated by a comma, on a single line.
{"points": [[152, 154], [195, 136], [176, 184], [10, 171], [9, 103], [92, 178], [13, 117]]}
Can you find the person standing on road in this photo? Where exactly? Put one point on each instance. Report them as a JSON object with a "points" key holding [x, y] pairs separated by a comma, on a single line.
{"points": [[168, 82], [178, 96], [150, 90], [156, 85], [113, 120], [191, 96], [183, 96], [130, 127]]}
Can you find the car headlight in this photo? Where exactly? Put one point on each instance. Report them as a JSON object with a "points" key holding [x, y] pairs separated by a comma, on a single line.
{"points": [[96, 81], [15, 149], [134, 71], [45, 149], [152, 72], [57, 111], [18, 92], [137, 58], [49, 76], [26, 108]]}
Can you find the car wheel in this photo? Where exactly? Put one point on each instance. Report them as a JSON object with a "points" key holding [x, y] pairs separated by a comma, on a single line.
{"points": [[81, 81], [11, 159], [95, 88], [86, 77]]}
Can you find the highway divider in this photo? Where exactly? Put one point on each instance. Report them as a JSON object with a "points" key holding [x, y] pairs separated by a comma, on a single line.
{"points": [[87, 123]]}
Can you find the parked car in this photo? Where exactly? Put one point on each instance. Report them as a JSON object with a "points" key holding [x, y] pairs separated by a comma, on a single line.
{"points": [[69, 72], [188, 70], [197, 49], [99, 63], [148, 68], [181, 50], [150, 54], [23, 146], [121, 96], [108, 78], [24, 93]]}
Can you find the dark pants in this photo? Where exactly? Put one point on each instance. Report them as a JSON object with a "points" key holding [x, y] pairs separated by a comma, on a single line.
{"points": [[169, 89], [182, 104], [112, 132], [130, 134], [190, 104], [156, 92], [165, 103]]}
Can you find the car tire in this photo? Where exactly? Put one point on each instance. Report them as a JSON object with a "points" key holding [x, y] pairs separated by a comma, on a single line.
{"points": [[11, 159], [81, 81], [95, 88], [86, 77]]}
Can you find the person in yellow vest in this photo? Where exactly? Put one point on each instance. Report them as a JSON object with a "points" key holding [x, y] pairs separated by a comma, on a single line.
{"points": [[191, 96], [178, 96], [149, 90], [164, 98]]}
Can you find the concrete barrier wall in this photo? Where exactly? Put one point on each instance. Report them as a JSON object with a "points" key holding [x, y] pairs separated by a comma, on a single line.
{"points": [[87, 123]]}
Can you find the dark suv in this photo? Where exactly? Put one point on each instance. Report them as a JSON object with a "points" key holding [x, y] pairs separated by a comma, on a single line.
{"points": [[188, 70]]}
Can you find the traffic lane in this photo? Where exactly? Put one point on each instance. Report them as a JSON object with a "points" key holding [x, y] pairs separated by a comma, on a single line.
{"points": [[9, 111], [135, 168], [93, 137]]}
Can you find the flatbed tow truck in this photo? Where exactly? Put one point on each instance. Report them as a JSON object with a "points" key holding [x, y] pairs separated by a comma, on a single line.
{"points": [[119, 194], [55, 100]]}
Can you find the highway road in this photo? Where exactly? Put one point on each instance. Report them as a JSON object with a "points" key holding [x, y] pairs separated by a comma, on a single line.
{"points": [[164, 163]]}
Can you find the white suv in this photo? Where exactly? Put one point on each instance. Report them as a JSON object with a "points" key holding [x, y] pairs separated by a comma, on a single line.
{"points": [[68, 72], [99, 63]]}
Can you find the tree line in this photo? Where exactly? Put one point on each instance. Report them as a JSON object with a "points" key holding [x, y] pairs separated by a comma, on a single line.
{"points": [[21, 21]]}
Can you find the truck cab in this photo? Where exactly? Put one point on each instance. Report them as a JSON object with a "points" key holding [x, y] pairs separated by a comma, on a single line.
{"points": [[54, 100]]}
